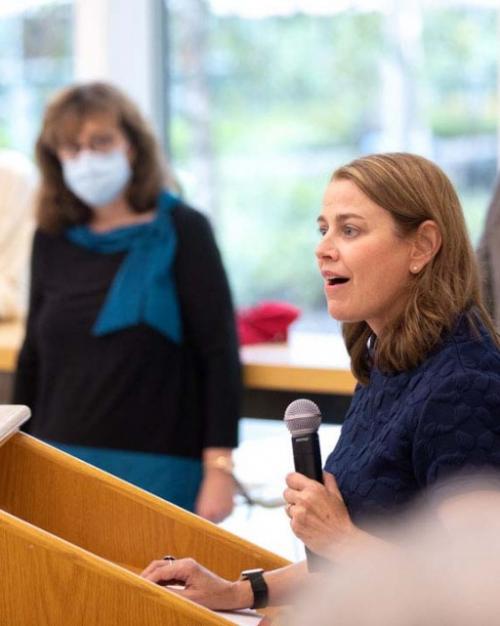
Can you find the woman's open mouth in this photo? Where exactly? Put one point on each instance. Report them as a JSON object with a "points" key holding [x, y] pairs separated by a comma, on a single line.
{"points": [[338, 280]]}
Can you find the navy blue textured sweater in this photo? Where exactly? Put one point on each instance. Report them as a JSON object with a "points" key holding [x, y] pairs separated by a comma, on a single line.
{"points": [[407, 431]]}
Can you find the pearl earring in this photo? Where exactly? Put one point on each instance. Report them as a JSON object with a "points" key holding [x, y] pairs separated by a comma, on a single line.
{"points": [[415, 268]]}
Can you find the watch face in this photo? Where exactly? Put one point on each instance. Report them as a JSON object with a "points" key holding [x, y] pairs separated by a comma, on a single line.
{"points": [[259, 586], [248, 573]]}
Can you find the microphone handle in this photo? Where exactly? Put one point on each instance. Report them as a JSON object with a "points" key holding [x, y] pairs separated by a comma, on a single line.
{"points": [[307, 456], [307, 460]]}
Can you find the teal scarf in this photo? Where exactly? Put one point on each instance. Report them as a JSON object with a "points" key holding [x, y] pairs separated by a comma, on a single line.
{"points": [[143, 290]]}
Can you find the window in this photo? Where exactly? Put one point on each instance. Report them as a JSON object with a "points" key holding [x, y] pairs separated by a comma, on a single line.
{"points": [[35, 59], [268, 97]]}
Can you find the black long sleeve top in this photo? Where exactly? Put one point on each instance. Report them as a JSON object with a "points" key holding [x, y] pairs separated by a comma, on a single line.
{"points": [[133, 389]]}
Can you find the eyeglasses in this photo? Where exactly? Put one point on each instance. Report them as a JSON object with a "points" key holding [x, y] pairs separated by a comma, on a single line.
{"points": [[97, 143]]}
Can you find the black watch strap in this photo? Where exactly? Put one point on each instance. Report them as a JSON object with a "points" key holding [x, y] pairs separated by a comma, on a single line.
{"points": [[259, 586]]}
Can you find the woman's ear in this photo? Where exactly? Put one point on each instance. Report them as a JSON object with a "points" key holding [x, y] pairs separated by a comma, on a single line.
{"points": [[425, 246]]}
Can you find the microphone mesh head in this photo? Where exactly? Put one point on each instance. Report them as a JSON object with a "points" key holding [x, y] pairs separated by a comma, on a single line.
{"points": [[302, 417]]}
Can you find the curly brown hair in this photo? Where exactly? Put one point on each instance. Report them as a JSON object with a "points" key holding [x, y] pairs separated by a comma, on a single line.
{"points": [[413, 189], [57, 207]]}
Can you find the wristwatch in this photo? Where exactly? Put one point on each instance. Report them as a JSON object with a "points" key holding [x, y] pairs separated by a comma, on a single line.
{"points": [[259, 586]]}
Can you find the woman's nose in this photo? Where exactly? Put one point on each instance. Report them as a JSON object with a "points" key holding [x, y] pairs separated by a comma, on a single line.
{"points": [[327, 248]]}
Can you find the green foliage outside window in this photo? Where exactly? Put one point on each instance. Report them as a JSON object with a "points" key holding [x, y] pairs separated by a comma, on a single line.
{"points": [[286, 99]]}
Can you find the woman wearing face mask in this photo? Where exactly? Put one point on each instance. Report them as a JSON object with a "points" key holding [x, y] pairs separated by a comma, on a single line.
{"points": [[130, 358], [398, 270]]}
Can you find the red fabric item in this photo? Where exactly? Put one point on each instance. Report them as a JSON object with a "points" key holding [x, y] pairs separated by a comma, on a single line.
{"points": [[265, 322]]}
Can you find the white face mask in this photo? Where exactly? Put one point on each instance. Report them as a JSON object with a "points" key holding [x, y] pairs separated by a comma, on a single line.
{"points": [[97, 178]]}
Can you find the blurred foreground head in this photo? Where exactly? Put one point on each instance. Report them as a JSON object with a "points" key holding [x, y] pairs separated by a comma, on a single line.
{"points": [[441, 567]]}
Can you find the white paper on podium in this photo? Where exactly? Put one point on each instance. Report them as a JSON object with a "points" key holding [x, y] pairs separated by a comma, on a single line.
{"points": [[12, 416], [242, 618]]}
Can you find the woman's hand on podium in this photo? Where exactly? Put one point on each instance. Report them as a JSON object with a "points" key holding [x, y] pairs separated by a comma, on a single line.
{"points": [[200, 585]]}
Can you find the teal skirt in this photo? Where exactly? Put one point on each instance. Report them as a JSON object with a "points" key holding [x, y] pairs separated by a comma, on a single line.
{"points": [[173, 478]]}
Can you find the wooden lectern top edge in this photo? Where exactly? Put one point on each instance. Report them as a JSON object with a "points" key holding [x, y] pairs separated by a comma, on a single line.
{"points": [[146, 499], [38, 537]]}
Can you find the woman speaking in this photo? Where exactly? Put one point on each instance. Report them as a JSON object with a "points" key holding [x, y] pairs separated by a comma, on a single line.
{"points": [[398, 270]]}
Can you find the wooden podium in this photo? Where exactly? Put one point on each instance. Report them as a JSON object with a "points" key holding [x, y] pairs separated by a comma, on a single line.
{"points": [[72, 539]]}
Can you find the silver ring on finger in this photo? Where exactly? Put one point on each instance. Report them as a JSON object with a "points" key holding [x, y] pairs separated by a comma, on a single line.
{"points": [[169, 558]]}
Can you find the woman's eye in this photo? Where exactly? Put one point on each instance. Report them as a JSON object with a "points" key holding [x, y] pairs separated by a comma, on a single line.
{"points": [[102, 142], [322, 231], [69, 149], [350, 231]]}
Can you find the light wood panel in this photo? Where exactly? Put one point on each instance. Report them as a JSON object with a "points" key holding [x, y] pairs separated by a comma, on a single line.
{"points": [[11, 337], [45, 581], [111, 518], [73, 538], [310, 363], [290, 378]]}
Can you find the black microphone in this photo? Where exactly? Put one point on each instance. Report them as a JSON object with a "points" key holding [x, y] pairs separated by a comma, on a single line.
{"points": [[302, 418]]}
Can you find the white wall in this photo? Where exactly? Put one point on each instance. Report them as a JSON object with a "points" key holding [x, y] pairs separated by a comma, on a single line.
{"points": [[120, 41]]}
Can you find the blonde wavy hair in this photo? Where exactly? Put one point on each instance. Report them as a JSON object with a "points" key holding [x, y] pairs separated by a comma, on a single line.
{"points": [[413, 189], [57, 207]]}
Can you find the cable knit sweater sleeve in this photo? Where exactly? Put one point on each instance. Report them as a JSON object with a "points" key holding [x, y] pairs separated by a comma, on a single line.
{"points": [[458, 428]]}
